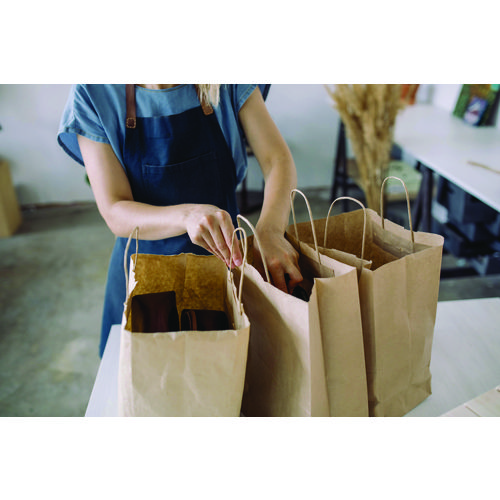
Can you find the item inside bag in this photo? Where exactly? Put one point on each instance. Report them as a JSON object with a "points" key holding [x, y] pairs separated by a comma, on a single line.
{"points": [[154, 312], [303, 290], [203, 320], [157, 312], [300, 293]]}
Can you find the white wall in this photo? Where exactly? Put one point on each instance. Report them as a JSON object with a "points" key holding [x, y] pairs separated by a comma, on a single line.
{"points": [[43, 173], [445, 96], [309, 125]]}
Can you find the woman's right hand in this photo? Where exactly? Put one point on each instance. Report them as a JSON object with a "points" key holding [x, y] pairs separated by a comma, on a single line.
{"points": [[212, 228]]}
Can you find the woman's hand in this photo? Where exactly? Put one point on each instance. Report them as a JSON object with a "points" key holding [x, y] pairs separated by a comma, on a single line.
{"points": [[212, 228], [281, 259]]}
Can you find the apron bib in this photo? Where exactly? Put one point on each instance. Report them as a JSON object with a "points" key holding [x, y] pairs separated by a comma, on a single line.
{"points": [[169, 160]]}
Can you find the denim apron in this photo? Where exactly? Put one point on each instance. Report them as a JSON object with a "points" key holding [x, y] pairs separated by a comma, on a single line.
{"points": [[169, 160]]}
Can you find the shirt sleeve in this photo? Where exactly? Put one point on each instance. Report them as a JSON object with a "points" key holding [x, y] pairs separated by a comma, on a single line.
{"points": [[79, 117], [242, 92], [232, 99], [240, 95]]}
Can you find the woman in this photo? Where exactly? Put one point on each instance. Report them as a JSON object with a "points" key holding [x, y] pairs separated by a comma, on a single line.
{"points": [[168, 158]]}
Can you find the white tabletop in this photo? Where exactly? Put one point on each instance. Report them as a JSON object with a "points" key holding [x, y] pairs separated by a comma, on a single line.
{"points": [[104, 398], [465, 360], [446, 143]]}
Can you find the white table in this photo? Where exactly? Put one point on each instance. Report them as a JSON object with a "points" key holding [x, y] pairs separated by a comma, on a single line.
{"points": [[465, 360], [445, 144], [104, 398]]}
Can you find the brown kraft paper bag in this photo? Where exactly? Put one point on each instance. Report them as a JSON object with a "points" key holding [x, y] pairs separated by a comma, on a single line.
{"points": [[183, 373], [398, 297], [286, 369], [340, 324], [285, 375]]}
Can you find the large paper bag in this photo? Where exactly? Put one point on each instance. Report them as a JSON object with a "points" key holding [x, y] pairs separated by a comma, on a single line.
{"points": [[340, 323], [183, 373], [288, 373], [398, 297]]}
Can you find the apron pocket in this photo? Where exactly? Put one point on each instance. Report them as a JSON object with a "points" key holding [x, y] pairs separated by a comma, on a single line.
{"points": [[192, 181]]}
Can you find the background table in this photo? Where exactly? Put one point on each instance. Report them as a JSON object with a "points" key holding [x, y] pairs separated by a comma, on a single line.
{"points": [[444, 144], [465, 360]]}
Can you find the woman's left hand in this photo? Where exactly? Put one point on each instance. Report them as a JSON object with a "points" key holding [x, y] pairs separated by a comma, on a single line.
{"points": [[281, 259]]}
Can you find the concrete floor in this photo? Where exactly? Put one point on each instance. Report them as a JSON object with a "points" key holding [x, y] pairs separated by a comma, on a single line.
{"points": [[53, 272]]}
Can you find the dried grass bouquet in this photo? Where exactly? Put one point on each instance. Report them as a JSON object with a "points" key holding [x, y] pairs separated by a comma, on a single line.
{"points": [[369, 114]]}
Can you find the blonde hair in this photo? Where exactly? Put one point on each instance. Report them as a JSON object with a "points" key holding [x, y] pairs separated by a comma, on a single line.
{"points": [[209, 93]]}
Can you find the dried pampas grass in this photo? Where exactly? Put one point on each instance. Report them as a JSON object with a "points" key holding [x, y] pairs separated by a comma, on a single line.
{"points": [[209, 93], [369, 114]]}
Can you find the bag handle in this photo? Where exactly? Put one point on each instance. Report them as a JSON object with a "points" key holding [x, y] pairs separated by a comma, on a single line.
{"points": [[125, 260], [364, 221], [407, 204], [309, 211], [250, 225], [245, 251]]}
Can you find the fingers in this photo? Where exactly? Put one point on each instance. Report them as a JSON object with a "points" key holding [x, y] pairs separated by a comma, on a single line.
{"points": [[285, 276], [212, 243], [278, 277], [295, 277], [281, 260], [213, 231], [227, 231]]}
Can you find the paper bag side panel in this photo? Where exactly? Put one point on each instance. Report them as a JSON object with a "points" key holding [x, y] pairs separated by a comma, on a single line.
{"points": [[403, 310], [176, 365], [278, 374], [343, 349]]}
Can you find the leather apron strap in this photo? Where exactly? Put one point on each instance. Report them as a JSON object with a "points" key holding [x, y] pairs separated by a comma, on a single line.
{"points": [[131, 121], [205, 106], [131, 113]]}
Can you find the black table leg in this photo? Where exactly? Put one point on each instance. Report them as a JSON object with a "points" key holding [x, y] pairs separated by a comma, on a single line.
{"points": [[340, 165], [428, 181], [422, 213]]}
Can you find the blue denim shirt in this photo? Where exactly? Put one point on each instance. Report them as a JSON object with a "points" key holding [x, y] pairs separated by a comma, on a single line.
{"points": [[98, 113]]}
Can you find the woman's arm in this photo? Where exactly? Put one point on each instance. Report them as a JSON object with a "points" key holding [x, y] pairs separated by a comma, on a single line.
{"points": [[280, 178], [207, 225]]}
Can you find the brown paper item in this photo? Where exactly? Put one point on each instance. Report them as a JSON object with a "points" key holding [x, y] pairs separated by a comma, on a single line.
{"points": [[285, 373], [289, 372], [398, 297], [183, 373]]}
